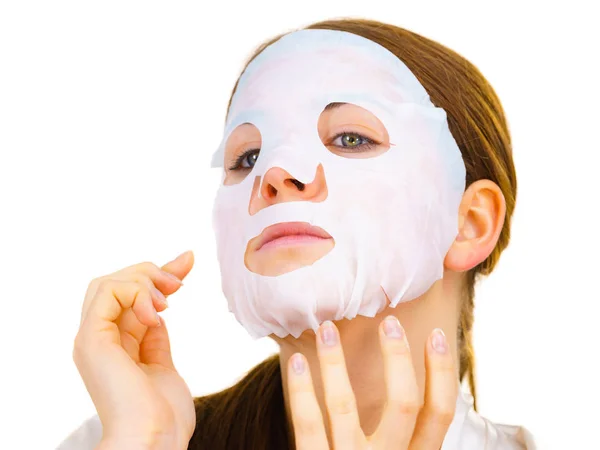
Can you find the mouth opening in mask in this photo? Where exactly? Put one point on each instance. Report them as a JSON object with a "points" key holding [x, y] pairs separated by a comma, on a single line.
{"points": [[286, 246]]}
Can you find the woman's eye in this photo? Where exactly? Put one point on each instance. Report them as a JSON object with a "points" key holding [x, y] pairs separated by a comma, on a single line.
{"points": [[246, 160], [352, 140]]}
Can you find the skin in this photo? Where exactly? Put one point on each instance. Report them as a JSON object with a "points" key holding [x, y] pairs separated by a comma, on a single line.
{"points": [[368, 391], [123, 355], [276, 188], [417, 387], [342, 399], [353, 391]]}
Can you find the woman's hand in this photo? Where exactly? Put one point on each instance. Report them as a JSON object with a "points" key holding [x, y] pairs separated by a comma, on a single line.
{"points": [[404, 423], [124, 358]]}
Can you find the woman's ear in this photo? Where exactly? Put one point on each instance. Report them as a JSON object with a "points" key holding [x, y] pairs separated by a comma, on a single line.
{"points": [[480, 219]]}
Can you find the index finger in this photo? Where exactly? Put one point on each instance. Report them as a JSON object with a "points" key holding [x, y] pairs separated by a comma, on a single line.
{"points": [[162, 278], [309, 429], [339, 396]]}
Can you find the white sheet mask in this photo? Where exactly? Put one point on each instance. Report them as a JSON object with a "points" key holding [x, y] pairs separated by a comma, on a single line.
{"points": [[393, 216]]}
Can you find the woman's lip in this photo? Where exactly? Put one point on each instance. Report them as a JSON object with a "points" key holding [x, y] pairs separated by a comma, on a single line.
{"points": [[290, 233]]}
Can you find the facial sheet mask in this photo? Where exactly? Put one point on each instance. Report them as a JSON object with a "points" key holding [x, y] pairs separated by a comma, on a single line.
{"points": [[393, 216]]}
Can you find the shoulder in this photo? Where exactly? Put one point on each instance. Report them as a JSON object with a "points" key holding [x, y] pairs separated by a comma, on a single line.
{"points": [[85, 437], [469, 430]]}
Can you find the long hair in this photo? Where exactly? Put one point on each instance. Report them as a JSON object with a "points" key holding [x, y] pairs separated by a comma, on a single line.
{"points": [[251, 414]]}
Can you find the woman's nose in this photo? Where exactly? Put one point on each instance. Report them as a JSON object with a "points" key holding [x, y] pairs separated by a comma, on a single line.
{"points": [[279, 186]]}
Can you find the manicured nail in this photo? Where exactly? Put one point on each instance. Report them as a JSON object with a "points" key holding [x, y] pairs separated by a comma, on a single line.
{"points": [[392, 328], [298, 364], [160, 296], [438, 341], [173, 277], [328, 334]]}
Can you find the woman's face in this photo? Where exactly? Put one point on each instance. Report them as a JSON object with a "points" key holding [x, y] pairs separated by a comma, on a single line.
{"points": [[341, 185], [344, 129]]}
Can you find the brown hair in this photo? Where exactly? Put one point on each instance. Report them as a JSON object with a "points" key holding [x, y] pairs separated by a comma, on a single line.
{"points": [[251, 414]]}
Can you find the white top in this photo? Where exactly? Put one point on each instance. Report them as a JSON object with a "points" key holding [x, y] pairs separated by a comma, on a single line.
{"points": [[468, 431]]}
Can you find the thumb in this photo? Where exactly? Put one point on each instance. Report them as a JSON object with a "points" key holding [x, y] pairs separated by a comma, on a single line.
{"points": [[155, 347], [181, 265]]}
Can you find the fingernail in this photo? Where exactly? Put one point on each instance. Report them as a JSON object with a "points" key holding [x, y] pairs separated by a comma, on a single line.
{"points": [[298, 364], [160, 296], [438, 341], [392, 328], [157, 319], [173, 277], [328, 334]]}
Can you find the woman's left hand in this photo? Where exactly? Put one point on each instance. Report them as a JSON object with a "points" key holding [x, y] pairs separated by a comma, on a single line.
{"points": [[405, 424]]}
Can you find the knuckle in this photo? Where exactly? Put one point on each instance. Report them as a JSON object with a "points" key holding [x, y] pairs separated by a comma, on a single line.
{"points": [[446, 417], [93, 286], [81, 345], [147, 267], [94, 283], [104, 285], [301, 388], [342, 405], [76, 346], [106, 289], [442, 414], [144, 282], [333, 358], [307, 426], [407, 407]]}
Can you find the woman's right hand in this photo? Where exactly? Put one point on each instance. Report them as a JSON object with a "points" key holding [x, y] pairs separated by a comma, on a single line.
{"points": [[124, 358]]}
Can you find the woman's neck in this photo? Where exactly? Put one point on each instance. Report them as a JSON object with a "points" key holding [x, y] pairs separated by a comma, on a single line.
{"points": [[438, 308]]}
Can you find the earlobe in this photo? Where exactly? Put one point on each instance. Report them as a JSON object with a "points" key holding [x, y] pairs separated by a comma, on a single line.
{"points": [[480, 221]]}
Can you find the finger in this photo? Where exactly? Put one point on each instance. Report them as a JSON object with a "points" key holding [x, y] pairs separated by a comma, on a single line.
{"points": [[402, 405], [112, 297], [309, 428], [339, 397], [155, 348], [131, 330], [164, 281], [159, 300], [128, 321], [180, 266], [441, 390]]}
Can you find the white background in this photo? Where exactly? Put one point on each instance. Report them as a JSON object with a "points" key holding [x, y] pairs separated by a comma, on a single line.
{"points": [[109, 112]]}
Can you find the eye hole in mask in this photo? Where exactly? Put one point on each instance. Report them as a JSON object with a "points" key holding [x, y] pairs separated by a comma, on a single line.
{"points": [[350, 131], [241, 152]]}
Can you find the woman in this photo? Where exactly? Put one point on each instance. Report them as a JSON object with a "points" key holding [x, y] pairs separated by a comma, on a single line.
{"points": [[336, 383]]}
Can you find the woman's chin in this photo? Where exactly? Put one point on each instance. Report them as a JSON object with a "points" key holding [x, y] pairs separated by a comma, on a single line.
{"points": [[279, 260]]}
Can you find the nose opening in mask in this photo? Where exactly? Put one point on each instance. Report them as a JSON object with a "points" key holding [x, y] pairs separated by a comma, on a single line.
{"points": [[279, 186], [299, 165]]}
